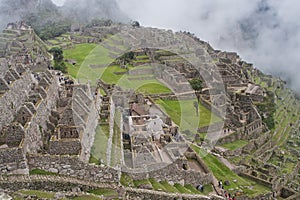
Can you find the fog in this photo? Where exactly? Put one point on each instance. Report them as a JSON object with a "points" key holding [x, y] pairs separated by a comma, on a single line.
{"points": [[263, 32]]}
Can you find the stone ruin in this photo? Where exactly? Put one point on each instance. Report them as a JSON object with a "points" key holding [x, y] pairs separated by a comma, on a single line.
{"points": [[42, 112]]}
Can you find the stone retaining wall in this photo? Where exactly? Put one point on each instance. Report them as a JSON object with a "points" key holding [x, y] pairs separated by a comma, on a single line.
{"points": [[171, 173], [72, 166]]}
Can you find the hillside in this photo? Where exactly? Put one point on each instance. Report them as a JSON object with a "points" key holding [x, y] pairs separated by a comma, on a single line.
{"points": [[155, 111]]}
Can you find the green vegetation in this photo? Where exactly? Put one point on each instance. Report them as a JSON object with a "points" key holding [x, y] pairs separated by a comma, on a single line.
{"points": [[153, 88], [183, 113], [105, 192], [94, 160], [222, 172], [87, 197], [40, 172], [100, 144], [126, 180], [268, 107], [116, 140], [196, 84], [39, 194], [235, 145], [156, 185], [58, 58], [182, 189], [138, 183], [79, 53], [169, 187]]}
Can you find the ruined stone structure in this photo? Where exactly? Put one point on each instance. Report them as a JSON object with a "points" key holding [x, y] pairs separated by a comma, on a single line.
{"points": [[41, 112]]}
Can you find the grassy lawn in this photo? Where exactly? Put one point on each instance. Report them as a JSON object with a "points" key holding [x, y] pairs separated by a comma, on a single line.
{"points": [[222, 172], [183, 113], [39, 194], [87, 197], [235, 145], [109, 76], [105, 192], [153, 88], [182, 189], [156, 185], [100, 144], [79, 53], [87, 55], [40, 172], [168, 187]]}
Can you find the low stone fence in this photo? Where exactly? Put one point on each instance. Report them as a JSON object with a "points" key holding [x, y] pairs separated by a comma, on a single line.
{"points": [[73, 167], [257, 180]]}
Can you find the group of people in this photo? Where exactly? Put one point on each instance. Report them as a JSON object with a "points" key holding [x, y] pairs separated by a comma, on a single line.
{"points": [[227, 195]]}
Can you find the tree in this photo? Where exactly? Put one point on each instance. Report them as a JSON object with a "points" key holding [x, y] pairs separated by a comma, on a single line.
{"points": [[58, 58], [135, 24], [196, 84]]}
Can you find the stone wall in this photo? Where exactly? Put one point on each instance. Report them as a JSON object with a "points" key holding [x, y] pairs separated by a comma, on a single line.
{"points": [[64, 147], [170, 173], [148, 194], [72, 166], [33, 137], [11, 101], [13, 161]]}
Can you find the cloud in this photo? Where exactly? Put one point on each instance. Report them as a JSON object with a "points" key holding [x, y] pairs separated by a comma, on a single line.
{"points": [[263, 32], [58, 2]]}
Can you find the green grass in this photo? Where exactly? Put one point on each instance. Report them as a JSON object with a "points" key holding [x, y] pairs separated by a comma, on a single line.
{"points": [[40, 172], [137, 183], [156, 185], [168, 187], [102, 92], [79, 53], [116, 141], [182, 189], [222, 172], [153, 88], [109, 76], [194, 190], [100, 143], [94, 160], [207, 189], [39, 194], [87, 197], [86, 56], [105, 192], [235, 145], [126, 180], [183, 113]]}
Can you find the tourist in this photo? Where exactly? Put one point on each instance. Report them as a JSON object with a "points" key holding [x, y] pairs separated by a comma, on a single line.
{"points": [[220, 183]]}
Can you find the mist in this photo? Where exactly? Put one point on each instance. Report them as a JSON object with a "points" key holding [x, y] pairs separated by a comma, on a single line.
{"points": [[263, 32]]}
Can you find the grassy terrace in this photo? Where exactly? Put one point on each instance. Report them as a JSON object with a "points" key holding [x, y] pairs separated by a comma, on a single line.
{"points": [[100, 144], [116, 141], [222, 172], [164, 186], [183, 113], [94, 195], [150, 85], [235, 145], [87, 55]]}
